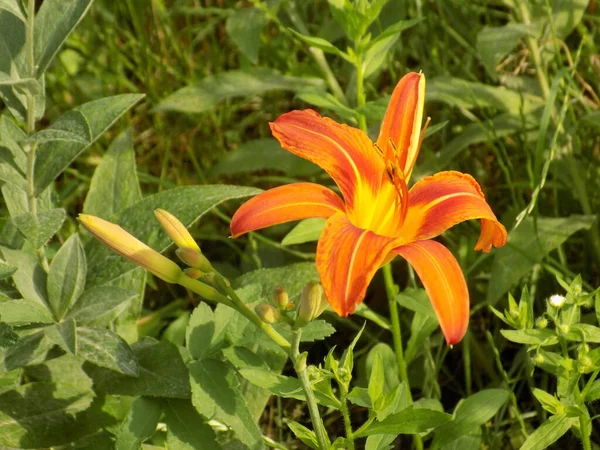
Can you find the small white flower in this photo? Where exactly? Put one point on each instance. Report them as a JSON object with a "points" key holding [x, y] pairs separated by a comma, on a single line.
{"points": [[557, 301]]}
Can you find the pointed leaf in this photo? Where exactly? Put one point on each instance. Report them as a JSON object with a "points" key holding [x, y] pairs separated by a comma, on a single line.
{"points": [[114, 185], [66, 278], [24, 312], [139, 425], [307, 230], [40, 227], [244, 27], [549, 432], [88, 122], [410, 420], [54, 21], [8, 337], [186, 429], [30, 277], [106, 349], [63, 334], [99, 305]]}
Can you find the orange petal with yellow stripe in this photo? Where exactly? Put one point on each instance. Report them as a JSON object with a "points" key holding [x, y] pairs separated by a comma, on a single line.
{"points": [[283, 204], [439, 202], [347, 259], [445, 285], [401, 124], [345, 153]]}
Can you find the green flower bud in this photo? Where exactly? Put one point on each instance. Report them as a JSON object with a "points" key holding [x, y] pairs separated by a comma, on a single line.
{"points": [[563, 329], [541, 322], [281, 298], [193, 273], [539, 359], [267, 313], [311, 306], [300, 364], [194, 258]]}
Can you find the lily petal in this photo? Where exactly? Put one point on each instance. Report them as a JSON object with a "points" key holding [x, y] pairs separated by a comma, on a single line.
{"points": [[402, 122], [445, 284], [345, 153], [439, 202], [283, 204], [347, 259]]}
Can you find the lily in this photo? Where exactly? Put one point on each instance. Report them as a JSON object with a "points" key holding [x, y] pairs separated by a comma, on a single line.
{"points": [[377, 217]]}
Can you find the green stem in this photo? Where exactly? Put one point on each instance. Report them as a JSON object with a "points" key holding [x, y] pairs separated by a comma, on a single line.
{"points": [[236, 303], [390, 290], [534, 48], [360, 90], [585, 435], [311, 401], [346, 415]]}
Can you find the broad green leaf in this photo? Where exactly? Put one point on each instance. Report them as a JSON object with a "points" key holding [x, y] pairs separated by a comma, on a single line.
{"points": [[8, 337], [42, 414], [321, 44], [394, 29], [244, 27], [317, 330], [214, 89], [156, 378], [187, 203], [87, 122], [421, 327], [12, 157], [30, 278], [54, 21], [377, 53], [175, 331], [139, 425], [467, 442], [114, 185], [31, 349], [347, 14], [64, 369], [292, 277], [584, 332], [262, 154], [279, 385], [63, 334], [380, 442], [40, 227], [106, 349], [66, 278], [15, 7], [6, 270], [549, 402], [494, 43], [594, 393], [531, 337], [244, 358], [200, 331], [469, 94], [186, 429], [473, 412], [307, 230], [549, 432], [416, 300], [384, 352], [410, 420], [376, 379], [99, 305], [565, 16], [215, 392], [526, 247], [307, 436]]}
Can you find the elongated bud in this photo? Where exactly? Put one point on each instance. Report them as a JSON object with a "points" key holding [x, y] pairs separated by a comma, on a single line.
{"points": [[194, 258], [176, 230], [312, 304], [281, 298], [267, 313], [119, 240]]}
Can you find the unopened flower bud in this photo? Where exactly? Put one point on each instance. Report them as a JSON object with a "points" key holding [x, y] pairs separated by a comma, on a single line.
{"points": [[539, 359], [541, 322], [194, 258], [281, 298], [193, 273], [267, 313], [300, 364], [175, 229], [563, 329], [556, 301], [311, 306], [584, 364], [119, 240]]}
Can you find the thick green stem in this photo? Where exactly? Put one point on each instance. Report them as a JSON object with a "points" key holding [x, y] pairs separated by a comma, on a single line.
{"points": [[311, 401], [346, 415], [390, 290], [236, 303], [534, 49], [360, 91]]}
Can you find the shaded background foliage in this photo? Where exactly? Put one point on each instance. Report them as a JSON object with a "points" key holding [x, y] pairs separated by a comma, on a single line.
{"points": [[216, 72]]}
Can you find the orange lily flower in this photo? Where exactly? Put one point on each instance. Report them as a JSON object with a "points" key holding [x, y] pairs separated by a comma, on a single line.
{"points": [[378, 217]]}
